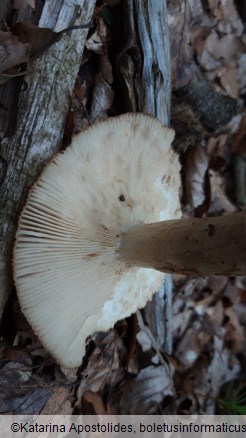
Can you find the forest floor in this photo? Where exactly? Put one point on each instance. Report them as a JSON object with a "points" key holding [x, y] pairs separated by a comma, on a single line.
{"points": [[124, 371]]}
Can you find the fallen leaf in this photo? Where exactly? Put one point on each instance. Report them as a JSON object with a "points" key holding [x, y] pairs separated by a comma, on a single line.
{"points": [[228, 79], [229, 18], [199, 41], [103, 94], [216, 151], [39, 38], [14, 72], [12, 51], [15, 354], [144, 393], [96, 43], [241, 284], [184, 18], [77, 118], [21, 391], [191, 345], [216, 283], [20, 4], [223, 366], [239, 143], [216, 314], [227, 48], [144, 340], [105, 69], [97, 405], [103, 369], [207, 60], [213, 8], [101, 101], [195, 172], [234, 336], [219, 204]]}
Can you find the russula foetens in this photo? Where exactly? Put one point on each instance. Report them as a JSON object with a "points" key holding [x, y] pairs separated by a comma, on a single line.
{"points": [[101, 218]]}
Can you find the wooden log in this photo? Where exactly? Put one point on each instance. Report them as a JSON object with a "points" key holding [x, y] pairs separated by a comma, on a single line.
{"points": [[144, 71], [42, 110]]}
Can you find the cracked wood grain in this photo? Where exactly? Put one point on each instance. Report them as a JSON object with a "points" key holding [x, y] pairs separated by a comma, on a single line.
{"points": [[144, 72], [43, 106]]}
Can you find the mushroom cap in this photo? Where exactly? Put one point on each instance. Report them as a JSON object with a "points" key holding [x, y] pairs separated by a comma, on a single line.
{"points": [[69, 277]]}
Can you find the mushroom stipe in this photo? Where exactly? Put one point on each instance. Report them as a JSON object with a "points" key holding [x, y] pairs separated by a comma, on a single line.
{"points": [[102, 226]]}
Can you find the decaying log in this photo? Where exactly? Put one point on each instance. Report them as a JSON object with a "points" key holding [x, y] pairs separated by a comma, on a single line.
{"points": [[42, 110], [144, 70], [144, 64]]}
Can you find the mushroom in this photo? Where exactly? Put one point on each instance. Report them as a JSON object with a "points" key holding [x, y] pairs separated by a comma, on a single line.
{"points": [[100, 228]]}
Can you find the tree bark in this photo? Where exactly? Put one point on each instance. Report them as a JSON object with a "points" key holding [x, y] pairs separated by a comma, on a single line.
{"points": [[42, 110], [144, 72]]}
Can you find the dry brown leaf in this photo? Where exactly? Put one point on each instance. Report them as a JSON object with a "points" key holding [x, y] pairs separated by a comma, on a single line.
{"points": [[104, 367], [97, 405], [181, 53], [216, 151], [185, 19], [39, 38], [220, 204], [214, 8], [20, 4], [14, 72], [216, 283], [20, 355], [144, 340], [229, 18], [228, 80], [216, 314], [239, 143], [77, 118], [80, 91], [96, 43], [227, 48], [234, 336], [25, 41], [195, 171], [181, 319], [191, 345], [199, 41], [22, 392], [224, 366], [103, 94], [219, 51], [206, 59], [12, 51], [144, 393], [102, 100], [202, 382], [241, 284], [105, 69]]}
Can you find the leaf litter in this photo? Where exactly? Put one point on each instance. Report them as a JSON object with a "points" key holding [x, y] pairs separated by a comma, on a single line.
{"points": [[124, 371]]}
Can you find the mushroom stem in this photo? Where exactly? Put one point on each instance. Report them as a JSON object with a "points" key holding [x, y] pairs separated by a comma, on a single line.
{"points": [[196, 247]]}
